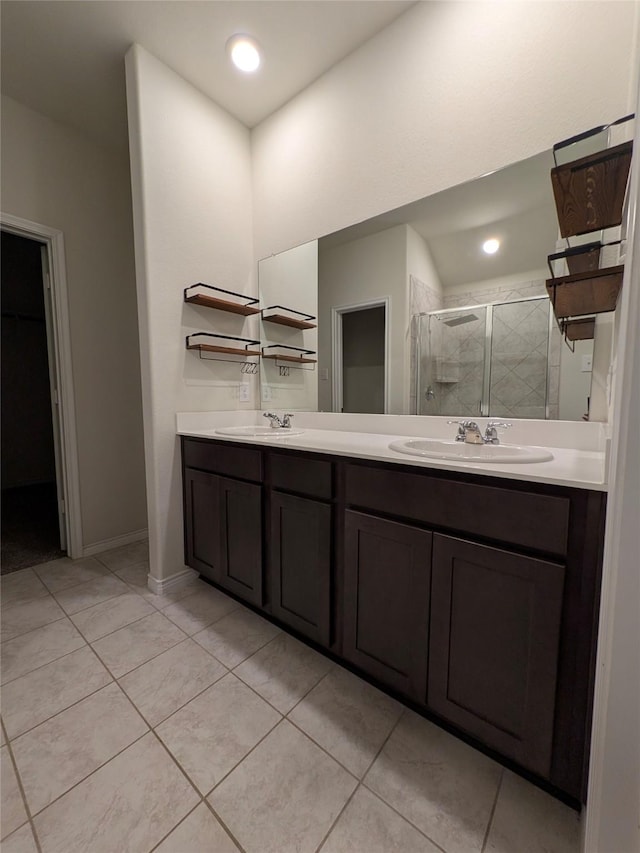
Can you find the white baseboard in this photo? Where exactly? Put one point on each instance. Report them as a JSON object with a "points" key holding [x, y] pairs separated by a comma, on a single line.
{"points": [[116, 542], [172, 583]]}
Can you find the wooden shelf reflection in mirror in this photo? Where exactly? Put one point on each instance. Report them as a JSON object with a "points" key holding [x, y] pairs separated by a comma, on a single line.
{"points": [[295, 355], [592, 292], [299, 321], [582, 329], [589, 192]]}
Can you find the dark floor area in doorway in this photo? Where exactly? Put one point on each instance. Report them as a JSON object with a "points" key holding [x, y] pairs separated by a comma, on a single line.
{"points": [[30, 532]]}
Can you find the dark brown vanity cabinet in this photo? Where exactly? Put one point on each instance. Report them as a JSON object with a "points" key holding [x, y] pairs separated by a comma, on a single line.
{"points": [[474, 597], [387, 579], [300, 543], [493, 650], [300, 565], [223, 517]]}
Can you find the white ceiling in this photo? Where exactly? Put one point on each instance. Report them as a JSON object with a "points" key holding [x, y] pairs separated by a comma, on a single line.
{"points": [[514, 204], [65, 59]]}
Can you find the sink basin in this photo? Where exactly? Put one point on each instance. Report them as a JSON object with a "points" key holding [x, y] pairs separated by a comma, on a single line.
{"points": [[259, 431], [459, 450]]}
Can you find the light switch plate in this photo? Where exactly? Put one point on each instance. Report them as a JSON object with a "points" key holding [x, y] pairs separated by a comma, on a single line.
{"points": [[587, 364]]}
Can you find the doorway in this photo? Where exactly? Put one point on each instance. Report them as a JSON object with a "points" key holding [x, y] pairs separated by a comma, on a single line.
{"points": [[33, 524], [360, 375]]}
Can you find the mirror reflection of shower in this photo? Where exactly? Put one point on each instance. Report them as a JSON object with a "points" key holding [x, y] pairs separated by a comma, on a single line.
{"points": [[490, 360]]}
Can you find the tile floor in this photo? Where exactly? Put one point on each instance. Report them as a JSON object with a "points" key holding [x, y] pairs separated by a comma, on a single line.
{"points": [[184, 723]]}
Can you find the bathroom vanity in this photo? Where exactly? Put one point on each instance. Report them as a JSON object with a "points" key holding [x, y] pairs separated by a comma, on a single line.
{"points": [[472, 596]]}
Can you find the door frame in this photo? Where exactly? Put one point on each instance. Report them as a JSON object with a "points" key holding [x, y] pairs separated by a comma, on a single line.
{"points": [[337, 312], [59, 342]]}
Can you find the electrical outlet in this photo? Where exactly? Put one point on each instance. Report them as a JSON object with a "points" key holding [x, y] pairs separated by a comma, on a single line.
{"points": [[245, 395], [587, 364], [266, 393]]}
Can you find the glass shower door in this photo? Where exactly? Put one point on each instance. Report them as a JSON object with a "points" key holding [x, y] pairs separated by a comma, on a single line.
{"points": [[451, 362], [519, 358]]}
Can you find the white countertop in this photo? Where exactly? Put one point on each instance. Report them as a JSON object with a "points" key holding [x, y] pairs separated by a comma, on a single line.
{"points": [[579, 468]]}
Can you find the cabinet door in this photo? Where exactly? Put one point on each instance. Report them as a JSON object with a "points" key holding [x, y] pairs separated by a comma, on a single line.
{"points": [[241, 539], [495, 626], [300, 565], [386, 601], [202, 522]]}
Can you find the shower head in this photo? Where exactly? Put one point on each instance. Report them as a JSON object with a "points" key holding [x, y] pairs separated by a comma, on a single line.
{"points": [[458, 321]]}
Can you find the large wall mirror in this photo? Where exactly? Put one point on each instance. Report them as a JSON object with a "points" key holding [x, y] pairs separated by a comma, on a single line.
{"points": [[415, 316]]}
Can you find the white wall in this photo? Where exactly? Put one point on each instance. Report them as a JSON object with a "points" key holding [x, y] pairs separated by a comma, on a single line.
{"points": [[447, 92], [575, 383], [54, 176], [291, 279], [191, 178], [369, 268]]}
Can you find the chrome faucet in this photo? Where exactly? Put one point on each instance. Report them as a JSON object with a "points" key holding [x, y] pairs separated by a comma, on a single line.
{"points": [[490, 435], [469, 432], [279, 423]]}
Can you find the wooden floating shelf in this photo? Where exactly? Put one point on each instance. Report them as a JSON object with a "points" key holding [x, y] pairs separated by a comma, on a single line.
{"points": [[227, 350], [282, 320], [216, 299], [593, 292], [298, 359], [222, 304], [583, 329], [589, 192]]}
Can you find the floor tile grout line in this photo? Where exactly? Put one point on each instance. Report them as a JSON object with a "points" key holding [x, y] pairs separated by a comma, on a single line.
{"points": [[326, 751], [244, 758], [45, 625], [42, 665], [89, 775], [184, 704], [180, 822], [493, 811], [364, 784], [89, 606], [62, 710], [404, 817], [324, 839], [307, 694], [251, 654], [222, 823], [126, 625], [137, 666], [284, 713], [24, 797]]}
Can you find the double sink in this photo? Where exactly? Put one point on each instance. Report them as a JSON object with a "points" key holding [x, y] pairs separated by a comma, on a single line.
{"points": [[421, 447]]}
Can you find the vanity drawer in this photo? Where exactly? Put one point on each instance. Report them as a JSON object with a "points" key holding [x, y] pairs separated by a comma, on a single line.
{"points": [[310, 477], [522, 518], [240, 462]]}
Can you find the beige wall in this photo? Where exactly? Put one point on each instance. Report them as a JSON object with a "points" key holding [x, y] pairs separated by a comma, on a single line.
{"points": [[369, 268], [191, 179], [447, 92], [54, 176]]}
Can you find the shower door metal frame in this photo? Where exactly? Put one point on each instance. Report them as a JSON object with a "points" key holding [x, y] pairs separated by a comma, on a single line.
{"points": [[488, 332]]}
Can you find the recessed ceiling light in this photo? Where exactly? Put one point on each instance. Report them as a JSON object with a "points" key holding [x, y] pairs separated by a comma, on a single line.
{"points": [[244, 53], [491, 246]]}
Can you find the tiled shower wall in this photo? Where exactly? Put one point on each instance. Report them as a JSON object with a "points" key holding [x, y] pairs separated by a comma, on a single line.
{"points": [[422, 299], [519, 357]]}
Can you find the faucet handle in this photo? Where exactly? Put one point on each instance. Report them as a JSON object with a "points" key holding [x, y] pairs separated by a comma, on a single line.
{"points": [[286, 419], [494, 424], [470, 424]]}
